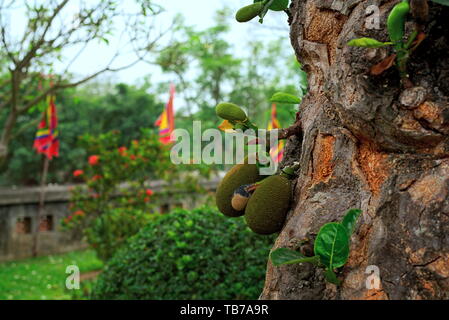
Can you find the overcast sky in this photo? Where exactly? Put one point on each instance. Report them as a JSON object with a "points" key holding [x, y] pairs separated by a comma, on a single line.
{"points": [[198, 13]]}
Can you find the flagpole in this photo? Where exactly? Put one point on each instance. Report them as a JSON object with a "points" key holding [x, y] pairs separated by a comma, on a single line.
{"points": [[40, 211]]}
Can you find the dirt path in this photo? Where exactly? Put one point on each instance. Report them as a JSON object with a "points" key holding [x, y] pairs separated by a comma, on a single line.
{"points": [[89, 275]]}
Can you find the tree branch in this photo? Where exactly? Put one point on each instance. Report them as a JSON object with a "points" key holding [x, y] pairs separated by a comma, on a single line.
{"points": [[5, 45], [293, 130], [25, 61], [30, 124], [61, 86]]}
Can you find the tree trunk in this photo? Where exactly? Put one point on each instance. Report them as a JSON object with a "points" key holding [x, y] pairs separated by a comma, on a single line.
{"points": [[6, 134], [368, 143]]}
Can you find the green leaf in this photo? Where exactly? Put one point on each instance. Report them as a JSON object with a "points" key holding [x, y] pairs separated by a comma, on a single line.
{"points": [[367, 43], [396, 22], [277, 5], [332, 277], [443, 2], [287, 98], [286, 256], [350, 219], [332, 245]]}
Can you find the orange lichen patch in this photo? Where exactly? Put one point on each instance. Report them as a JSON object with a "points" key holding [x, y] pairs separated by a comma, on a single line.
{"points": [[431, 188], [354, 287], [324, 26], [408, 123], [354, 283], [375, 294], [359, 254], [374, 166], [428, 111], [429, 286], [416, 257], [323, 154], [440, 266], [441, 150]]}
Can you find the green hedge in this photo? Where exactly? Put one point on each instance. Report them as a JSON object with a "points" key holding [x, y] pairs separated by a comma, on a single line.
{"points": [[197, 254]]}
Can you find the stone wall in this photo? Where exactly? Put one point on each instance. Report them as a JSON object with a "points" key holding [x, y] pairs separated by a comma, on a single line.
{"points": [[18, 211]]}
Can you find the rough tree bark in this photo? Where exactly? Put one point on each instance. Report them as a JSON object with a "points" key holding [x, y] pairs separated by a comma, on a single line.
{"points": [[370, 144]]}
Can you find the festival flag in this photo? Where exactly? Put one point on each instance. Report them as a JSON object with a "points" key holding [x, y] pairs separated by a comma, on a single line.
{"points": [[166, 121], [276, 153], [46, 140]]}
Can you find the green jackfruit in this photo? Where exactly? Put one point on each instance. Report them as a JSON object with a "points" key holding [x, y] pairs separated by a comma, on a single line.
{"points": [[248, 13], [240, 174], [267, 208], [230, 112]]}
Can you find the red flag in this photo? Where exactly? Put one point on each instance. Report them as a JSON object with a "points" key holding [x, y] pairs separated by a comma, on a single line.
{"points": [[46, 140], [166, 121], [276, 153]]}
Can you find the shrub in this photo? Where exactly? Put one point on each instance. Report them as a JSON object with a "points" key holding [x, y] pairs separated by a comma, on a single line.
{"points": [[108, 232], [197, 254], [115, 202], [110, 206]]}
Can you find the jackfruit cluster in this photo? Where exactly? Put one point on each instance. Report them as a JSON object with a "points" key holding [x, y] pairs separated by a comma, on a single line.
{"points": [[241, 197], [239, 175], [264, 203], [267, 208]]}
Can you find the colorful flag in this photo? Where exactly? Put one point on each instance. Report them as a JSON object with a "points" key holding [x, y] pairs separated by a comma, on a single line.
{"points": [[166, 121], [276, 153], [46, 140]]}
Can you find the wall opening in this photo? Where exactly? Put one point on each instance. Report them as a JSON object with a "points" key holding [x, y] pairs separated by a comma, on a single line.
{"points": [[179, 206], [23, 225], [165, 208], [46, 224]]}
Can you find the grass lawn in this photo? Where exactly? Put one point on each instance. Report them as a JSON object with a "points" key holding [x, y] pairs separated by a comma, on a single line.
{"points": [[43, 278]]}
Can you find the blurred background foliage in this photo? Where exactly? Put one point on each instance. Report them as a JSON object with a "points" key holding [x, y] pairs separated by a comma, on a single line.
{"points": [[94, 109], [184, 254], [206, 70], [198, 254]]}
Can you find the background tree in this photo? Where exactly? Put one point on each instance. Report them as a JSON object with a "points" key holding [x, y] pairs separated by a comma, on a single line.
{"points": [[269, 67], [51, 29], [209, 70], [204, 66], [372, 144], [95, 109]]}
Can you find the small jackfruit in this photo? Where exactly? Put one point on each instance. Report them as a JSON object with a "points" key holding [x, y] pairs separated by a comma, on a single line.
{"points": [[230, 112], [267, 208], [248, 13], [239, 175]]}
